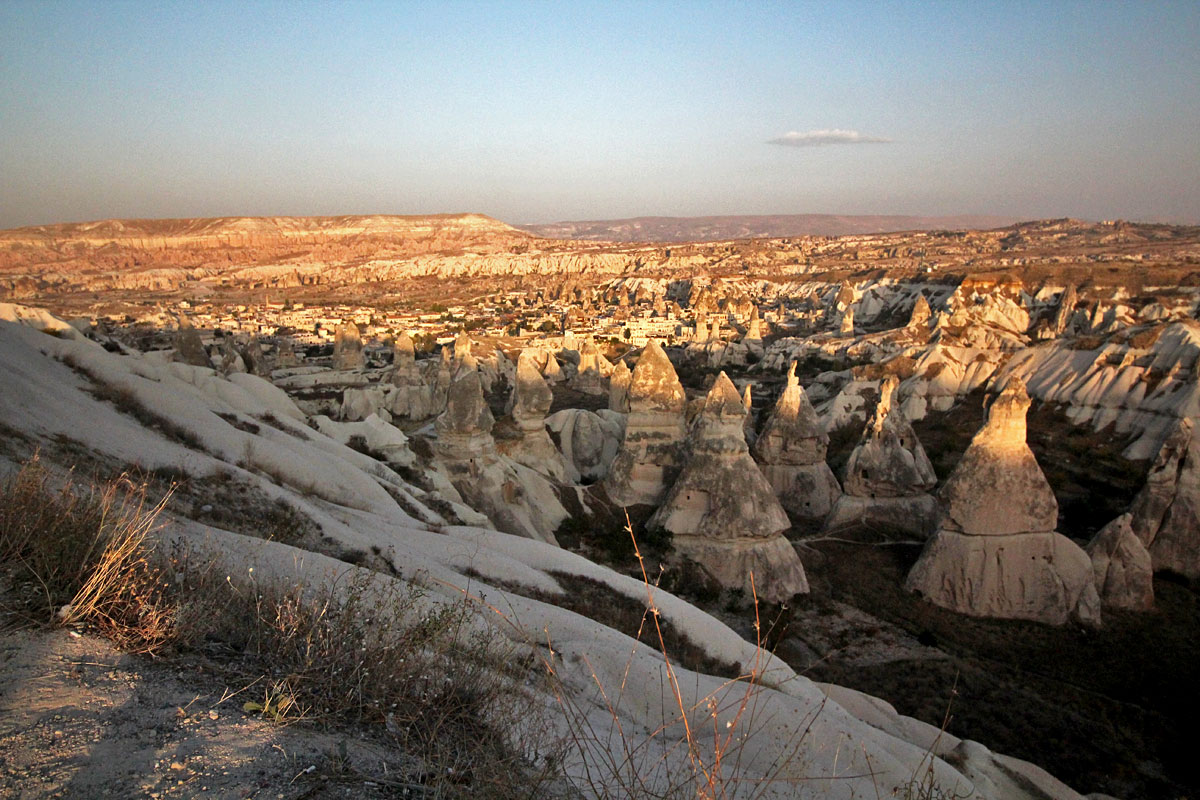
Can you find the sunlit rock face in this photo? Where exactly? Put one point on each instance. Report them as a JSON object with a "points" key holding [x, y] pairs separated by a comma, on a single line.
{"points": [[790, 451], [618, 388], [188, 347], [1122, 567], [413, 396], [920, 314], [888, 476], [648, 460], [996, 553], [347, 347], [846, 326], [999, 466], [1166, 513], [404, 356], [589, 376], [515, 498], [464, 429], [889, 461], [530, 402], [722, 512]]}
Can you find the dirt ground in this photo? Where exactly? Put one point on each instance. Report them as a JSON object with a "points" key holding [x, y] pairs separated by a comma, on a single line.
{"points": [[80, 720]]}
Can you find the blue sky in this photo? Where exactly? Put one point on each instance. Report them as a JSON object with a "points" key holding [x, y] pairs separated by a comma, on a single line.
{"points": [[547, 111]]}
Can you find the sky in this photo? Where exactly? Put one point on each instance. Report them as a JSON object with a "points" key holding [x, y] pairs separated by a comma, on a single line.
{"points": [[538, 112]]}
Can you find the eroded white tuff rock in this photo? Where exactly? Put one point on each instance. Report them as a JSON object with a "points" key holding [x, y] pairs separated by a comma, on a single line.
{"points": [[360, 402], [589, 375], [996, 553], [285, 354], [516, 499], [791, 451], [888, 476], [404, 355], [889, 461], [722, 512], [256, 360], [1166, 513], [648, 460], [618, 388], [588, 441], [847, 324], [231, 359], [920, 314], [188, 347], [348, 347], [754, 329], [462, 346], [1064, 316], [1122, 567], [413, 396], [806, 723], [531, 399], [748, 428]]}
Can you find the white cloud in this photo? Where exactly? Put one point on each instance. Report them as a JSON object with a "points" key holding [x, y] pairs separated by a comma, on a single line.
{"points": [[824, 137]]}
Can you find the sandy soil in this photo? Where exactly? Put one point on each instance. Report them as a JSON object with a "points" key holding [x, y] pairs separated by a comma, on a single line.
{"points": [[80, 720]]}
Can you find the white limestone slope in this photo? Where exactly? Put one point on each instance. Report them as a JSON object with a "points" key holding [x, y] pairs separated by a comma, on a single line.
{"points": [[842, 743]]}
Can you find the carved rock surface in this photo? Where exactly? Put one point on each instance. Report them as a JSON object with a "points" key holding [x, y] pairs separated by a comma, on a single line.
{"points": [[889, 461], [721, 510], [1122, 566], [996, 553], [1166, 513], [648, 460], [1036, 576], [791, 449]]}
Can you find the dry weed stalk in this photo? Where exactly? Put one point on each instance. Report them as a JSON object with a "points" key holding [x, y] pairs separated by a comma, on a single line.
{"points": [[616, 763], [358, 650], [87, 552]]}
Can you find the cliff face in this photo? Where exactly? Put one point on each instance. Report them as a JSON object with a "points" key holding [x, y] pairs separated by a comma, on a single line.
{"points": [[415, 234], [271, 251], [281, 252]]}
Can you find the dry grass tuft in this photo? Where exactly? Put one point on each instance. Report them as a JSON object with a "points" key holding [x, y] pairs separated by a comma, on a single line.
{"points": [[368, 652], [80, 554]]}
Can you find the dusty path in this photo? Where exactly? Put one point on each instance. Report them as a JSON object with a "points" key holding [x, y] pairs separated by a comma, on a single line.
{"points": [[80, 720]]}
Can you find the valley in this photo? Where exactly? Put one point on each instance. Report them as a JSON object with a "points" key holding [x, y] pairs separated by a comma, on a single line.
{"points": [[931, 494]]}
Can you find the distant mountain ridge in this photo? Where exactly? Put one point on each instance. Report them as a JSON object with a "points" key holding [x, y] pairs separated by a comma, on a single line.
{"points": [[259, 231], [771, 226]]}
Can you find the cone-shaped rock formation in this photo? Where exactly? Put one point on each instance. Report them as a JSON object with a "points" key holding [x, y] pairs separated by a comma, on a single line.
{"points": [[188, 347], [531, 399], [347, 347], [1166, 513], [723, 513], [996, 553], [791, 449], [515, 498], [618, 388], [648, 460], [1122, 567]]}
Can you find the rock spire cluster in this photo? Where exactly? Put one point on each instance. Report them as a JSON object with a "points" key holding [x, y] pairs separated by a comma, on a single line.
{"points": [[791, 449], [722, 512]]}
